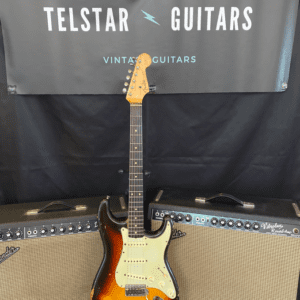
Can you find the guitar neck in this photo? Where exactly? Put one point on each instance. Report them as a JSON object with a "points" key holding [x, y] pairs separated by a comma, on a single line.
{"points": [[136, 194]]}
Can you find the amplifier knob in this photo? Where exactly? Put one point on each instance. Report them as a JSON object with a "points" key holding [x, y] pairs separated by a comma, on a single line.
{"points": [[173, 216], [9, 234], [62, 229], [239, 224], [180, 217], [79, 227], [53, 229], [247, 225], [18, 233], [71, 228], [43, 230], [222, 222], [256, 226], [188, 218], [214, 221], [1, 236], [230, 223], [88, 226]]}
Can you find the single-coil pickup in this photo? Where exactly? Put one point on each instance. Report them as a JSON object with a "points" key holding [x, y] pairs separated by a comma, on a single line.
{"points": [[134, 276], [135, 244], [136, 261]]}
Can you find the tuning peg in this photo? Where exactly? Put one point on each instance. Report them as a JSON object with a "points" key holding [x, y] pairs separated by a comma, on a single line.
{"points": [[127, 77], [126, 83], [129, 71], [124, 90]]}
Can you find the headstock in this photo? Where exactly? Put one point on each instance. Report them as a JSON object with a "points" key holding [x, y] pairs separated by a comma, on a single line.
{"points": [[138, 86]]}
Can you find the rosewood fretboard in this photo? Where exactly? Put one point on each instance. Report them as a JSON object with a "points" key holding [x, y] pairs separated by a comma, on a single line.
{"points": [[136, 197]]}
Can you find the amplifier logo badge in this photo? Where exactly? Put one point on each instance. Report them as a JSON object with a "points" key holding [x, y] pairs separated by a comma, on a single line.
{"points": [[9, 252], [177, 234], [271, 226]]}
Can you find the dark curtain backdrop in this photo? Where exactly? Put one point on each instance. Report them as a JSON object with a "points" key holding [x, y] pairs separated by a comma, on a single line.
{"points": [[54, 147]]}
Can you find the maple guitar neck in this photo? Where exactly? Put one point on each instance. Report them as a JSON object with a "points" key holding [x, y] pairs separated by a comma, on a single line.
{"points": [[136, 195]]}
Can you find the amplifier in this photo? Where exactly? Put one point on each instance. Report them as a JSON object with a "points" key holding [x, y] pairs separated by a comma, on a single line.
{"points": [[51, 250], [231, 248]]}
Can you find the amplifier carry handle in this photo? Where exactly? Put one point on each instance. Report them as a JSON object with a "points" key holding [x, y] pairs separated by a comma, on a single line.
{"points": [[223, 196], [62, 203]]}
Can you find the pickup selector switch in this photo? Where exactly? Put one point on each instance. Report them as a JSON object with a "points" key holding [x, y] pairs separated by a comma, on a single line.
{"points": [[214, 221], [222, 222]]}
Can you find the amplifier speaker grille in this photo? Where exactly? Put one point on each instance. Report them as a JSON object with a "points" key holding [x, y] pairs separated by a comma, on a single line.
{"points": [[211, 263], [52, 268]]}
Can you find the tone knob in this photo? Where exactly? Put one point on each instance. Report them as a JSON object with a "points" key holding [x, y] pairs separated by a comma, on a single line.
{"points": [[79, 227], [256, 226], [43, 230], [247, 225], [188, 218], [9, 234], [62, 229], [18, 233], [71, 228], [88, 226], [239, 224], [230, 223], [53, 229], [214, 221], [222, 222]]}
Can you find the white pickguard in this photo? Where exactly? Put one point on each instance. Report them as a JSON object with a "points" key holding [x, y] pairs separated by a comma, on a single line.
{"points": [[142, 262]]}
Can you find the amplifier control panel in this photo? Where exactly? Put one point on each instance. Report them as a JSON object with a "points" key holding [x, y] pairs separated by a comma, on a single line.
{"points": [[41, 230], [220, 222]]}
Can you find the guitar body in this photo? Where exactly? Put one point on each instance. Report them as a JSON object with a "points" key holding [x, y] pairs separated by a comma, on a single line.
{"points": [[121, 257]]}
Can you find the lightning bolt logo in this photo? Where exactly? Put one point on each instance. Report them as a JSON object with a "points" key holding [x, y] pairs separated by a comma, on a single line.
{"points": [[150, 18]]}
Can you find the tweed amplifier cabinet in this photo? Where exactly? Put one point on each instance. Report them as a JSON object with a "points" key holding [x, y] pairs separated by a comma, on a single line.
{"points": [[231, 248], [51, 254]]}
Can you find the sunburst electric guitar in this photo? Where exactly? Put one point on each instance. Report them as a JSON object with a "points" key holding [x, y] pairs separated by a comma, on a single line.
{"points": [[134, 265]]}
